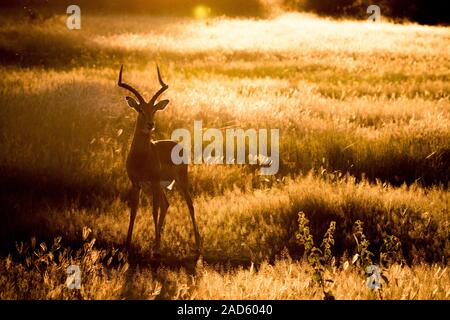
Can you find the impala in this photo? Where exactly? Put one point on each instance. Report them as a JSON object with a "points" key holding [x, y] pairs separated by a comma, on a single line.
{"points": [[149, 164]]}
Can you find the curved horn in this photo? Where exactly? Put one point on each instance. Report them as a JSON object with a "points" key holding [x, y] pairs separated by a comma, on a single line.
{"points": [[164, 87], [161, 82], [128, 87]]}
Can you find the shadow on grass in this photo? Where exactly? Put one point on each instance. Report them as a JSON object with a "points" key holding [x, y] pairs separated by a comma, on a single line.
{"points": [[24, 196]]}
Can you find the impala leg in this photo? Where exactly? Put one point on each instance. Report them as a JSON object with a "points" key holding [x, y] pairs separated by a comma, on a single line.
{"points": [[156, 204], [134, 204], [164, 205], [187, 197]]}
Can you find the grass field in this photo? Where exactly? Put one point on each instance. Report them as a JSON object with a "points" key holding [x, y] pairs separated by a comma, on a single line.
{"points": [[364, 118]]}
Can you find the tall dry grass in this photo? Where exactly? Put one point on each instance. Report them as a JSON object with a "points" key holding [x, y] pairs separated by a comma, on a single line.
{"points": [[363, 113]]}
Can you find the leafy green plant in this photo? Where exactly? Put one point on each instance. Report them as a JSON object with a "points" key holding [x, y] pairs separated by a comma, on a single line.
{"points": [[390, 252], [363, 256], [318, 258]]}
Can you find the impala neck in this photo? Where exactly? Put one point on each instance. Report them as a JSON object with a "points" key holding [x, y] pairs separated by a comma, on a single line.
{"points": [[141, 138], [142, 160]]}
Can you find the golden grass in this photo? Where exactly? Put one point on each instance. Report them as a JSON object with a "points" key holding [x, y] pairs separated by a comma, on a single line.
{"points": [[364, 118], [285, 279]]}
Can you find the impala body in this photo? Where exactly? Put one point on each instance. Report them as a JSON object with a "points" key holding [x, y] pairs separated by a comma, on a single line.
{"points": [[150, 167]]}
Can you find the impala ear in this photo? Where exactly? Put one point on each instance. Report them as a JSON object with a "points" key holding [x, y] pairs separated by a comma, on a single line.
{"points": [[161, 105], [132, 103]]}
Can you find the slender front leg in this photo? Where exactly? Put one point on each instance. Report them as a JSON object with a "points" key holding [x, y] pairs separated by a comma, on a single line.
{"points": [[156, 203], [134, 204], [164, 205]]}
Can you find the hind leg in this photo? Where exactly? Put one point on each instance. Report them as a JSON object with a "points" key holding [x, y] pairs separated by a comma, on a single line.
{"points": [[188, 199]]}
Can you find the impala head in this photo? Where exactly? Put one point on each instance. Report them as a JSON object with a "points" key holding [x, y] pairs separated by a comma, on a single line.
{"points": [[146, 110]]}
